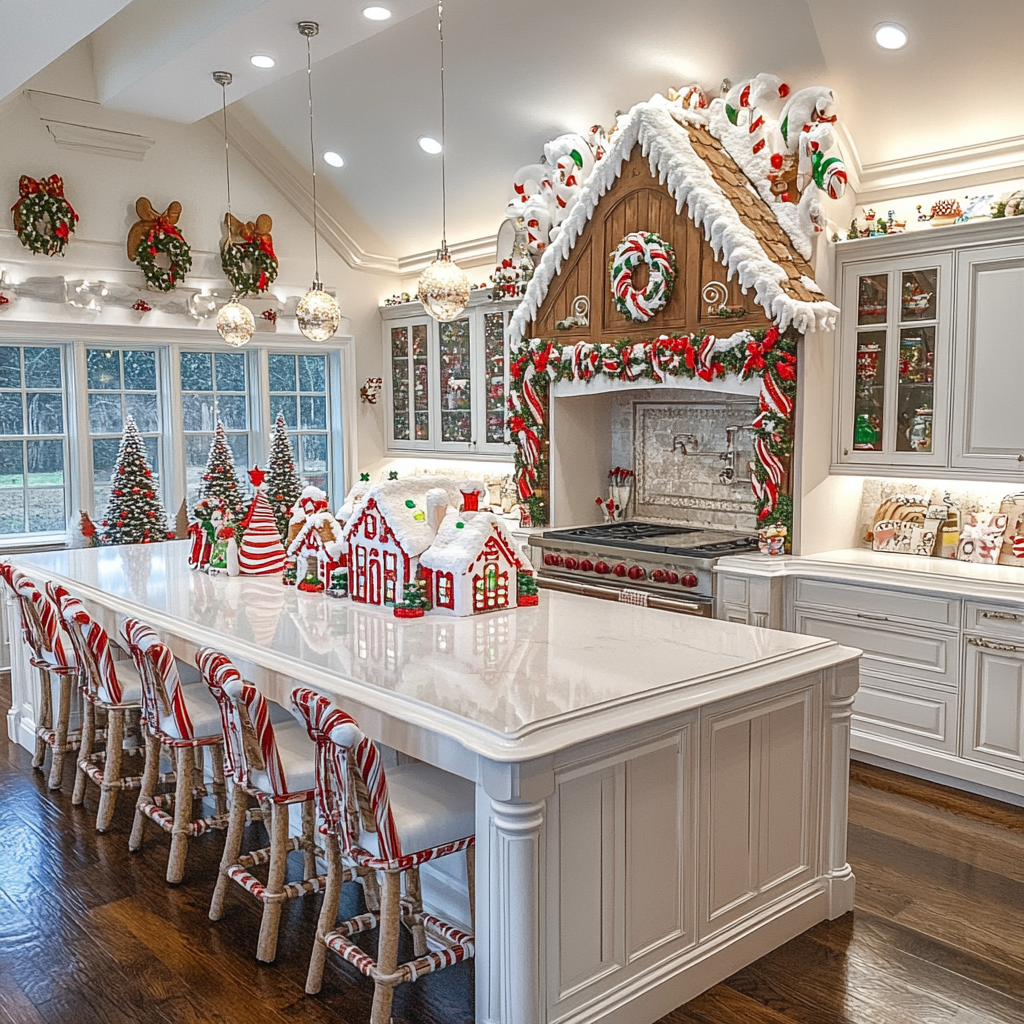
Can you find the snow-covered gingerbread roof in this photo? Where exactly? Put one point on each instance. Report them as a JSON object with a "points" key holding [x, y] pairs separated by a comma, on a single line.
{"points": [[710, 186], [462, 537], [407, 505]]}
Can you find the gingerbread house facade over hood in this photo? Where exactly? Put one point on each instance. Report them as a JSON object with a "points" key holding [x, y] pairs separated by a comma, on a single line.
{"points": [[743, 261]]}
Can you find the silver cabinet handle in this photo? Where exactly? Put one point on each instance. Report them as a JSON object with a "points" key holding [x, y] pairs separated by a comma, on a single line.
{"points": [[1001, 616], [993, 646], [873, 618]]}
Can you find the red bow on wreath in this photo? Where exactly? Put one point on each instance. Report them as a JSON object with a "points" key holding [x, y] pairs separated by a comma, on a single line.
{"points": [[51, 186]]}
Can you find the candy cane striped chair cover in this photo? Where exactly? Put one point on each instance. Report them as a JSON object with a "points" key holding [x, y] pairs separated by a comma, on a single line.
{"points": [[52, 654], [390, 825], [107, 685], [184, 719], [271, 763]]}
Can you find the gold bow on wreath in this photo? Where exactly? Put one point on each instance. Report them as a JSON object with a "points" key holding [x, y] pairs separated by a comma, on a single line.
{"points": [[149, 220], [250, 232]]}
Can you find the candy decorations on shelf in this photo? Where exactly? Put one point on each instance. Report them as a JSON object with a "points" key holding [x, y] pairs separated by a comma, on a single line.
{"points": [[636, 248], [43, 218], [155, 234]]}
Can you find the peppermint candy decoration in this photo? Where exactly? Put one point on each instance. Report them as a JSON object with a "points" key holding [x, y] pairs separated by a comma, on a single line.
{"points": [[636, 248]]}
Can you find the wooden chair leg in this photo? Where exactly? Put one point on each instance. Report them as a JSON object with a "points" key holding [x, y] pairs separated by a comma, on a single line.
{"points": [[232, 846], [266, 947], [147, 788], [45, 719], [328, 915], [84, 751], [308, 840], [387, 946], [185, 766], [219, 788], [111, 784], [60, 732], [414, 894], [471, 884], [371, 890]]}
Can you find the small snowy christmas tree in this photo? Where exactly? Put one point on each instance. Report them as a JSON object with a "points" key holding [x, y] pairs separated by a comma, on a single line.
{"points": [[283, 483], [134, 513], [219, 480]]}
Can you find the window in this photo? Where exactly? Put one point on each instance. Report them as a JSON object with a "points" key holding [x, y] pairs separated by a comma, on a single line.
{"points": [[445, 590], [213, 387], [32, 440], [121, 383], [298, 389]]}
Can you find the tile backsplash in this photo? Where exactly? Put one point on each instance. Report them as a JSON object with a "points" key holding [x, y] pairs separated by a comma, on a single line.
{"points": [[675, 449]]}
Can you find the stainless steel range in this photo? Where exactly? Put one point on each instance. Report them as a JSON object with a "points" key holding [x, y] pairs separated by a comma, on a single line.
{"points": [[652, 563]]}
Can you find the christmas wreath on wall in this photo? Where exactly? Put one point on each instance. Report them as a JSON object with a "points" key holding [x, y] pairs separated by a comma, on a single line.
{"points": [[535, 364], [43, 218], [636, 248], [154, 234], [247, 255]]}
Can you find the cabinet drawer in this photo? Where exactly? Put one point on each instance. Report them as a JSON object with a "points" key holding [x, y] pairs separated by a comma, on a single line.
{"points": [[890, 647], [875, 604], [906, 712], [992, 620]]}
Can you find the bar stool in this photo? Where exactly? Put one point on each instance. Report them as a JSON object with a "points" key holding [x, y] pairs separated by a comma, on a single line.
{"points": [[184, 719], [390, 826], [107, 686], [272, 764], [52, 654]]}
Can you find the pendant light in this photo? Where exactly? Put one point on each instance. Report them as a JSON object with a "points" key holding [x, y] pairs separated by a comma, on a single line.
{"points": [[317, 312], [443, 286], [235, 322]]}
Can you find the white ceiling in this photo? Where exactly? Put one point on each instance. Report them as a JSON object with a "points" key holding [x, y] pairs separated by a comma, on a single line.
{"points": [[521, 72]]}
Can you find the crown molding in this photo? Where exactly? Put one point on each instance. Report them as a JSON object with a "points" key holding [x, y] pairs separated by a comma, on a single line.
{"points": [[85, 125]]}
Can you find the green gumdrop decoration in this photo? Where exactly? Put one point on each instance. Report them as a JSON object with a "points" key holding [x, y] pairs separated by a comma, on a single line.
{"points": [[459, 526], [409, 503]]}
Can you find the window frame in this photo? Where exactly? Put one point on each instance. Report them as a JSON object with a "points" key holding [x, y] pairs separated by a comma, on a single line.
{"points": [[75, 339]]}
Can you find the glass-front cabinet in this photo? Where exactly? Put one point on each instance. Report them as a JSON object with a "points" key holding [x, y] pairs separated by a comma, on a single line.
{"points": [[446, 383], [895, 362]]}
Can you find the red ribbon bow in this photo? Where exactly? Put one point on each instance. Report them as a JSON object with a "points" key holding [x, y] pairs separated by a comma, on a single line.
{"points": [[51, 186]]}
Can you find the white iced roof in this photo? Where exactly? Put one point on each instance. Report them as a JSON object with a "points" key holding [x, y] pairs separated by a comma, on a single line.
{"points": [[413, 534], [666, 144], [461, 538], [315, 524]]}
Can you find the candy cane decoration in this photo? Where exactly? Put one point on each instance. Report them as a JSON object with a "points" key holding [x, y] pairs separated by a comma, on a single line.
{"points": [[636, 248]]}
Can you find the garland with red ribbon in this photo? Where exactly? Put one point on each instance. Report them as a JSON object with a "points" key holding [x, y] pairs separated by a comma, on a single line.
{"points": [[248, 256], [43, 218], [535, 364]]}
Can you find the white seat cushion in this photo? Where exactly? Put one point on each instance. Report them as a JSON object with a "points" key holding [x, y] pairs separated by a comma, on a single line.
{"points": [[298, 755], [430, 807], [203, 711], [131, 685]]}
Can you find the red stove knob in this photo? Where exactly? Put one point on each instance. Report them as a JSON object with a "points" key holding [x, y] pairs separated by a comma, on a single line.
{"points": [[689, 580], [659, 575], [570, 562], [636, 572], [671, 577], [620, 569], [586, 565], [550, 559], [603, 568]]}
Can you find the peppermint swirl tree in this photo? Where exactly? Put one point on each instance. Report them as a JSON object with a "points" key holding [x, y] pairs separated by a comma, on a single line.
{"points": [[134, 512], [219, 480], [283, 483]]}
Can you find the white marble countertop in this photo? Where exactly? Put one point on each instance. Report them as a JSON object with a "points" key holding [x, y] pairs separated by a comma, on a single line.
{"points": [[505, 684], [944, 575]]}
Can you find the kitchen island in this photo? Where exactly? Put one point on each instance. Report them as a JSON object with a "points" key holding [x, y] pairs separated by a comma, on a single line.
{"points": [[661, 799]]}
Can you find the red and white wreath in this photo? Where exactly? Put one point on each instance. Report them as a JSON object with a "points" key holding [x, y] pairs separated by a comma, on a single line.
{"points": [[636, 248]]}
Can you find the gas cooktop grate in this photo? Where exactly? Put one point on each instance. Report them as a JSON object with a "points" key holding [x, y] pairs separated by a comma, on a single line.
{"points": [[621, 531]]}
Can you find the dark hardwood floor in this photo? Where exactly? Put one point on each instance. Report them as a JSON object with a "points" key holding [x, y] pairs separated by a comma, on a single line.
{"points": [[90, 934]]}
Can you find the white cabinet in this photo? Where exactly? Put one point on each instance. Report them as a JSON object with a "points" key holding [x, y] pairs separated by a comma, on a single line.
{"points": [[931, 330], [445, 384], [993, 722], [988, 428]]}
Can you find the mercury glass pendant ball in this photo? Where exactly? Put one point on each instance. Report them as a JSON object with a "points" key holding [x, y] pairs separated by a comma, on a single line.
{"points": [[235, 323], [444, 288], [317, 314]]}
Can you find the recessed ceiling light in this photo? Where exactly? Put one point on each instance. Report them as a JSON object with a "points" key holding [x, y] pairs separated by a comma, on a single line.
{"points": [[376, 13], [262, 60], [891, 36], [334, 159], [430, 145]]}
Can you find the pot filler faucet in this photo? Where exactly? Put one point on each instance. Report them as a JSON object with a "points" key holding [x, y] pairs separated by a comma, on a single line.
{"points": [[687, 444]]}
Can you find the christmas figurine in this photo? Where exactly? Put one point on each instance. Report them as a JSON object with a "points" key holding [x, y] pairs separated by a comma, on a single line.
{"points": [[261, 552], [224, 555], [202, 530], [283, 483], [85, 534], [134, 513], [219, 480]]}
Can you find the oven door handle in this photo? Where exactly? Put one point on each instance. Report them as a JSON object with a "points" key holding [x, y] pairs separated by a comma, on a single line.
{"points": [[626, 596]]}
